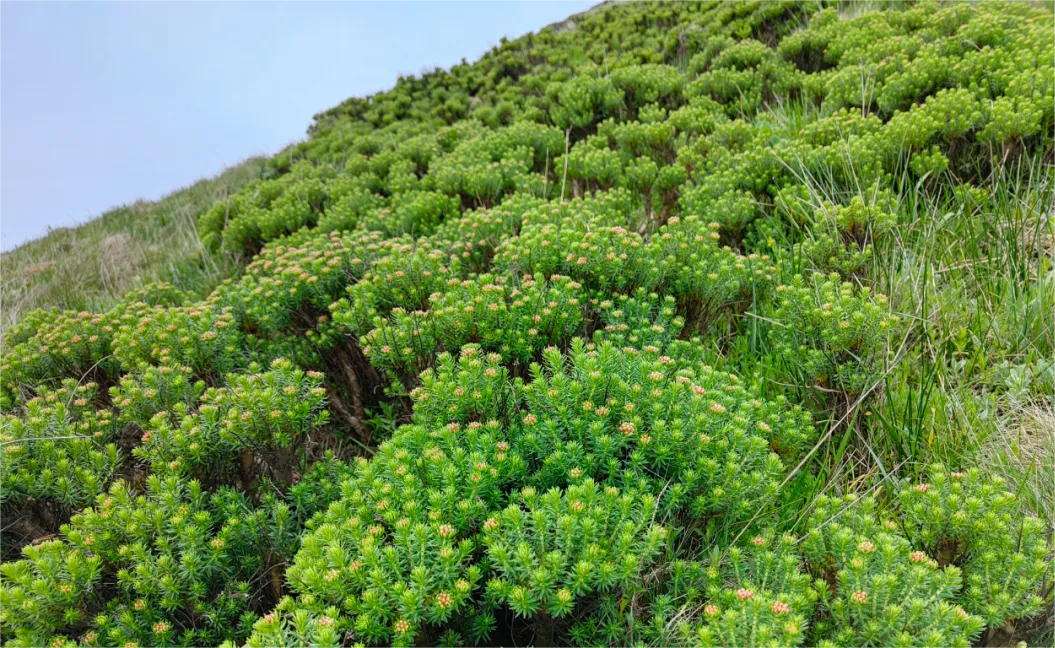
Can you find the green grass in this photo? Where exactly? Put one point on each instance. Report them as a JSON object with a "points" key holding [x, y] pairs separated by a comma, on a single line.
{"points": [[982, 278], [976, 285]]}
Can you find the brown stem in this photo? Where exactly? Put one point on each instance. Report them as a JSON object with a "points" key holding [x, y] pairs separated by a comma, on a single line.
{"points": [[544, 630], [276, 583], [348, 418]]}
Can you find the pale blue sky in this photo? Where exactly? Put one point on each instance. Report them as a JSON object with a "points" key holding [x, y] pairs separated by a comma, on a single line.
{"points": [[103, 103]]}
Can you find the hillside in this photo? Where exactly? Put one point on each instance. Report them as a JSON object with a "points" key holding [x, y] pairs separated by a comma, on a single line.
{"points": [[91, 266], [672, 324]]}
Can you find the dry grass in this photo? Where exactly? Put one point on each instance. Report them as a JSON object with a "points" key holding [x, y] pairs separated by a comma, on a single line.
{"points": [[1023, 449]]}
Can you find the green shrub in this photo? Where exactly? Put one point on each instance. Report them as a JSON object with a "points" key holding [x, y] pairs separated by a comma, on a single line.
{"points": [[69, 345], [515, 319], [759, 596], [256, 424], [875, 588], [966, 519], [558, 547], [59, 451], [174, 566], [834, 335]]}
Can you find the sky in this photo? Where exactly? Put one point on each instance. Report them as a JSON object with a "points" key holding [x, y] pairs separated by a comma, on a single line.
{"points": [[104, 103]]}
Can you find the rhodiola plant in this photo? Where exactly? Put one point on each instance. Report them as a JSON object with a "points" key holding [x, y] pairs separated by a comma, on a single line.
{"points": [[500, 355]]}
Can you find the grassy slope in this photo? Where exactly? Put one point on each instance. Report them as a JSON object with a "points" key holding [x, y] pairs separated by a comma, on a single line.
{"points": [[91, 265], [975, 282], [76, 268], [982, 279]]}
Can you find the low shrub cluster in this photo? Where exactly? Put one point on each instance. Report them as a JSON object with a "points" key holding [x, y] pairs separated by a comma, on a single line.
{"points": [[626, 334]]}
